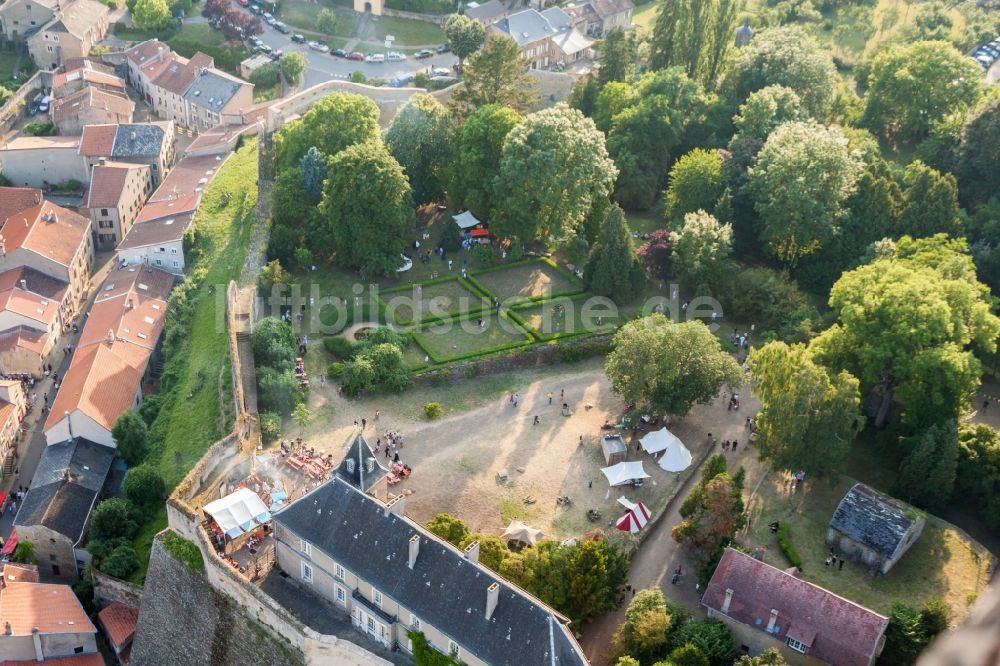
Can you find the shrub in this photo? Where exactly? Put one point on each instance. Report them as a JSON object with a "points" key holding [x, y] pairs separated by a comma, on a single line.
{"points": [[265, 76], [121, 562], [335, 370], [112, 519], [184, 551], [785, 544], [130, 435], [38, 129], [339, 347], [143, 486], [270, 426], [433, 410], [24, 553]]}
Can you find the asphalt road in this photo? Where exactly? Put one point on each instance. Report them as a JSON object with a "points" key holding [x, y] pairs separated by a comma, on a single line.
{"points": [[324, 67]]}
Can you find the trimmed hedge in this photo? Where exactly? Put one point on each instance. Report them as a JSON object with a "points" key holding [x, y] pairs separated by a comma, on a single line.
{"points": [[785, 544], [451, 315]]}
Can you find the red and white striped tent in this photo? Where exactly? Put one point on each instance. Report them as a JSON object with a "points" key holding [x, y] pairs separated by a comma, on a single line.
{"points": [[635, 518]]}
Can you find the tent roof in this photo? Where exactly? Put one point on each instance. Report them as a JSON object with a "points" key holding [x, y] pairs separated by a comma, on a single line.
{"points": [[238, 512], [624, 472], [654, 442], [518, 531], [466, 220], [677, 457]]}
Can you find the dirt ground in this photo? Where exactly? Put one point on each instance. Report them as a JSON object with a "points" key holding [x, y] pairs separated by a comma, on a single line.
{"points": [[456, 460]]}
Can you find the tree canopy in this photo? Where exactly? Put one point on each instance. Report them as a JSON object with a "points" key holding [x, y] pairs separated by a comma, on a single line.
{"points": [[130, 435], [693, 35], [420, 140], [768, 108], [978, 167], [613, 269], [476, 152], [333, 123], [465, 35], [699, 248], [696, 182], [669, 367], [496, 74], [150, 14]]}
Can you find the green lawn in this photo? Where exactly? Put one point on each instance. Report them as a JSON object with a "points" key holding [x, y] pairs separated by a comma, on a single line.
{"points": [[645, 15], [571, 316], [447, 342], [7, 59], [408, 32], [530, 280], [302, 14], [436, 300], [193, 37]]}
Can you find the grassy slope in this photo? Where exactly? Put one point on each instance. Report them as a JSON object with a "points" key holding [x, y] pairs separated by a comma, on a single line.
{"points": [[191, 425]]}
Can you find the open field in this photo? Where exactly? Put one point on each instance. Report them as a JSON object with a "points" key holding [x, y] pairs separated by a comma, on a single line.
{"points": [[944, 562]]}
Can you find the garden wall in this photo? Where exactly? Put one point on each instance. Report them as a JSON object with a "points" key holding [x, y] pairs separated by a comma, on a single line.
{"points": [[388, 100], [108, 588], [18, 102], [437, 19]]}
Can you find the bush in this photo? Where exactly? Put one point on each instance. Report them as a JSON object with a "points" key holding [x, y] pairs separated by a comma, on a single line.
{"points": [[785, 544], [38, 129], [24, 553], [184, 551], [265, 76], [144, 487], [764, 297], [150, 408], [712, 637], [270, 426], [130, 435], [121, 562], [112, 519], [335, 370], [433, 410], [339, 347]]}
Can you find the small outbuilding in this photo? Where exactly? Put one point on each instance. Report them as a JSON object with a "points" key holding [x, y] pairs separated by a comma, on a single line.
{"points": [[614, 449], [873, 528]]}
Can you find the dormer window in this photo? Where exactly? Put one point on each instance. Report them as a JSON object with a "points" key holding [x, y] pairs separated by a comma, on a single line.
{"points": [[797, 646]]}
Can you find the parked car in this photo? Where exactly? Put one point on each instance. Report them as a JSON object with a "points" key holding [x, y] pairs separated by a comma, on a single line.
{"points": [[444, 48], [319, 46], [299, 39], [402, 81], [43, 106], [440, 71], [423, 53], [255, 9], [356, 55], [340, 53], [375, 57], [444, 79], [262, 48], [276, 55], [395, 56], [282, 28]]}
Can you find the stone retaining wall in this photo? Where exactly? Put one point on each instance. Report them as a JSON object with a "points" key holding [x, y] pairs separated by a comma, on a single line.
{"points": [[18, 102], [108, 588]]}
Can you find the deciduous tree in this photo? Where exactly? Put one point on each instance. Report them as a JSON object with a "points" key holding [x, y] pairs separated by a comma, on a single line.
{"points": [[696, 182], [496, 74], [367, 209], [143, 486], [694, 35], [150, 14], [669, 367], [449, 528], [130, 436], [420, 140], [768, 108], [699, 248], [769, 657], [619, 52], [927, 473], [977, 482], [809, 415], [335, 122], [273, 344], [326, 21], [465, 35], [292, 66], [111, 519], [709, 528], [476, 153], [978, 167], [930, 202], [656, 255]]}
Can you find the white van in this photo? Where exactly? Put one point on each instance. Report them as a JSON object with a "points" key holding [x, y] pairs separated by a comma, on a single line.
{"points": [[375, 57], [395, 56]]}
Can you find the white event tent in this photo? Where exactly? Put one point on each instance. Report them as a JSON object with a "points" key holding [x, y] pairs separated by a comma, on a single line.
{"points": [[659, 440], [466, 220], [625, 472], [238, 512]]}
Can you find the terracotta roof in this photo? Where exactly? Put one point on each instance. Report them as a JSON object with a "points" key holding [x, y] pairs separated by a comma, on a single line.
{"points": [[119, 109], [19, 573], [94, 659], [119, 622], [34, 281], [48, 230], [25, 337], [157, 232], [70, 64], [140, 53], [163, 208], [15, 199], [87, 75], [107, 183], [145, 282], [99, 383], [98, 140], [176, 77], [54, 609], [189, 176], [36, 142], [837, 631], [30, 305]]}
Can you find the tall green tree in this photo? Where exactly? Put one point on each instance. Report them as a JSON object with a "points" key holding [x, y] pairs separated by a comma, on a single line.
{"points": [[476, 152], [688, 654], [613, 269], [913, 86], [766, 109], [784, 56], [335, 122], [465, 35], [367, 209], [273, 344], [130, 435], [700, 247], [800, 184], [619, 52], [420, 140], [809, 416], [977, 481], [978, 167], [909, 327], [313, 169], [909, 632], [696, 182], [927, 473], [650, 619], [496, 74], [111, 519], [292, 66], [555, 173], [930, 202], [143, 486], [695, 35], [150, 14], [669, 367]]}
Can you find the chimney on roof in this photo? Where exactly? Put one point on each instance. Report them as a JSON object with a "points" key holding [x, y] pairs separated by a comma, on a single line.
{"points": [[728, 601], [397, 506], [492, 597], [24, 284], [129, 304], [102, 161], [772, 621], [36, 638], [472, 551], [69, 424], [134, 135], [414, 550]]}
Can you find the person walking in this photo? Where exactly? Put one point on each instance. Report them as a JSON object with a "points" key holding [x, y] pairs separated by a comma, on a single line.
{"points": [[550, 397], [536, 420], [562, 394], [735, 444], [840, 566], [364, 423]]}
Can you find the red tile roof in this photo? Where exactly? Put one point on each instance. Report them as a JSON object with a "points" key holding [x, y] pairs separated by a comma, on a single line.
{"points": [[179, 205], [119, 622], [189, 176], [838, 631], [87, 75], [140, 53], [16, 199], [176, 77], [24, 337], [53, 609], [107, 183], [98, 140], [117, 109], [99, 383], [19, 573], [94, 659], [48, 230]]}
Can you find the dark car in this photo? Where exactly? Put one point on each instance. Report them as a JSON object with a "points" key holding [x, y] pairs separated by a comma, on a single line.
{"points": [[299, 39], [282, 28], [423, 53], [340, 53], [444, 48]]}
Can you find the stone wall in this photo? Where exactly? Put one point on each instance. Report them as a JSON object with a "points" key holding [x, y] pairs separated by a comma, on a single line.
{"points": [[437, 19], [108, 589], [18, 102], [388, 100]]}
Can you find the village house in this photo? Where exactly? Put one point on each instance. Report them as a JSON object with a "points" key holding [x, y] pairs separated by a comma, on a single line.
{"points": [[13, 407], [872, 528], [137, 143], [87, 74], [115, 198], [42, 621], [34, 310], [487, 12], [53, 516], [112, 357], [118, 622], [362, 469], [72, 32], [43, 161], [370, 561], [596, 17], [766, 607], [545, 38], [90, 106], [20, 18]]}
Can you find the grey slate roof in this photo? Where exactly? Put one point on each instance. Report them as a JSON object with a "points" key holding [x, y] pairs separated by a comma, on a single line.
{"points": [[443, 590], [526, 27], [354, 468], [872, 519], [138, 140], [486, 11], [60, 502], [212, 90]]}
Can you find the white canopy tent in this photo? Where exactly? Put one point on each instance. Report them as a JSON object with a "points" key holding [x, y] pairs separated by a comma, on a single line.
{"points": [[238, 512], [625, 472], [466, 220], [660, 440], [518, 531], [677, 457]]}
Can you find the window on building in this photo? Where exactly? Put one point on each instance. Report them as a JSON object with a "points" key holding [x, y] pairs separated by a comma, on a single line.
{"points": [[377, 597], [341, 595], [163, 249], [307, 573], [49, 49], [176, 265], [798, 647], [52, 558], [306, 547], [338, 571], [104, 211], [414, 622], [159, 263], [173, 250], [78, 649], [454, 650], [55, 569]]}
